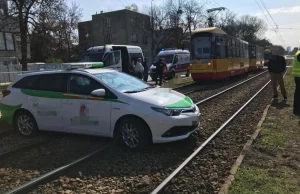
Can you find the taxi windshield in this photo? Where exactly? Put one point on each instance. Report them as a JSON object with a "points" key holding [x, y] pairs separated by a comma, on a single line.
{"points": [[123, 82]]}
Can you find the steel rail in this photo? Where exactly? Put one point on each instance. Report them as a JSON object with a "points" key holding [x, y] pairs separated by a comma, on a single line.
{"points": [[35, 182], [27, 146], [226, 90], [166, 182]]}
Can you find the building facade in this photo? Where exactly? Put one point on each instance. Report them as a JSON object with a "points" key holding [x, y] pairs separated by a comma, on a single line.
{"points": [[123, 27]]}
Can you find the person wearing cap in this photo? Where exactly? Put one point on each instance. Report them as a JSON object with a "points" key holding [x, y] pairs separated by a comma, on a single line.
{"points": [[296, 74], [276, 68], [139, 69]]}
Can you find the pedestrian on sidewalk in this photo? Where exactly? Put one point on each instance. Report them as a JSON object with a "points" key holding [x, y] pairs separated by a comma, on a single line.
{"points": [[296, 74], [276, 68], [139, 69]]}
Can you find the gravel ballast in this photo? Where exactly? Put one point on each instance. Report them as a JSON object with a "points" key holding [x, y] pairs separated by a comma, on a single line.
{"points": [[118, 170], [23, 166]]}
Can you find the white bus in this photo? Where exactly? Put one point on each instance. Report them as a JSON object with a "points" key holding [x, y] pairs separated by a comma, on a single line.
{"points": [[114, 56]]}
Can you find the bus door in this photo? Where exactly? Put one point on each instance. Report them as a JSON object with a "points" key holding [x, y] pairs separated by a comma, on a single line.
{"points": [[125, 58], [113, 60]]}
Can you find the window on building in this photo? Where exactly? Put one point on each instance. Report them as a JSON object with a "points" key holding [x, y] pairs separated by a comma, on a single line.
{"points": [[108, 22], [145, 39], [9, 41], [132, 21], [109, 38], [1, 11], [2, 41], [134, 38]]}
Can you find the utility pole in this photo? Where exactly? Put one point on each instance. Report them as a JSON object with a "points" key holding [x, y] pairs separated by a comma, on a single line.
{"points": [[152, 33]]}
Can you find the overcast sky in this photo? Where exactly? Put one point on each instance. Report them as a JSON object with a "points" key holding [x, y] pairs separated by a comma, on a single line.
{"points": [[285, 13]]}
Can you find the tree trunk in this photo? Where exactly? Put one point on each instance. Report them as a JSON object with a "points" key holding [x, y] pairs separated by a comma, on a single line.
{"points": [[23, 32]]}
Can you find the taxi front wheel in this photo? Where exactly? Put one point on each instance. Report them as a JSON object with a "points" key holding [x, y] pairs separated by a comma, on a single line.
{"points": [[25, 123], [133, 133]]}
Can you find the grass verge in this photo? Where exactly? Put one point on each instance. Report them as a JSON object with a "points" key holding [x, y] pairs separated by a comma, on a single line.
{"points": [[273, 164]]}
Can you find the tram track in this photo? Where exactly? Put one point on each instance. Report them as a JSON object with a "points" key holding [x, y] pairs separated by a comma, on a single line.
{"points": [[124, 156], [34, 183], [171, 179], [217, 85]]}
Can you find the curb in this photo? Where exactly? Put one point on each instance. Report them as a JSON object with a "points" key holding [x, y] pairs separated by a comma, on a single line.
{"points": [[234, 168]]}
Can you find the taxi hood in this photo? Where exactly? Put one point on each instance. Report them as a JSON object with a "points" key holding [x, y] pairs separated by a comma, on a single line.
{"points": [[164, 97]]}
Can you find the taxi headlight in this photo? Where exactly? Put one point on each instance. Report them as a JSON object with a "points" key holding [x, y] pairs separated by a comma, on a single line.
{"points": [[168, 112]]}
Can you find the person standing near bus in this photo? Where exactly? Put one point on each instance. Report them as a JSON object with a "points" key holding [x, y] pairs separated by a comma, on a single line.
{"points": [[145, 64], [139, 69], [296, 74], [276, 68]]}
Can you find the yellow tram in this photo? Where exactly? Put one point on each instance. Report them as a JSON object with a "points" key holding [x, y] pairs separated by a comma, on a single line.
{"points": [[216, 55]]}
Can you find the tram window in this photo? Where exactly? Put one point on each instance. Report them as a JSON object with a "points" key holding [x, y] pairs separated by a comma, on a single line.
{"points": [[220, 48]]}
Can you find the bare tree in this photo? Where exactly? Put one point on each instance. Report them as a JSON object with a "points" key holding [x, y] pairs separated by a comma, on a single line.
{"points": [[160, 27], [67, 25], [132, 7], [25, 13], [193, 13]]}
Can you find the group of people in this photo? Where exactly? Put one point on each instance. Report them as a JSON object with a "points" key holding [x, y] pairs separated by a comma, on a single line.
{"points": [[139, 69], [276, 68]]}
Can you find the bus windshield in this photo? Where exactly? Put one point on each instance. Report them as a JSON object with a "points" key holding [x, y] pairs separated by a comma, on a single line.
{"points": [[92, 57], [168, 58], [202, 48]]}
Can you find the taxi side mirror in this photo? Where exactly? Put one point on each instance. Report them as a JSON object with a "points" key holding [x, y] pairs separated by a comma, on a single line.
{"points": [[98, 93]]}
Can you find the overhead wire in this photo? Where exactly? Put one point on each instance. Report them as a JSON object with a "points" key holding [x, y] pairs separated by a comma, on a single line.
{"points": [[276, 27], [277, 30]]}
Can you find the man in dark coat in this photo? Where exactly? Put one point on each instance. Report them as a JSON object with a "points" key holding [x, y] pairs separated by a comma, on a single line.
{"points": [[159, 71], [145, 64], [276, 68]]}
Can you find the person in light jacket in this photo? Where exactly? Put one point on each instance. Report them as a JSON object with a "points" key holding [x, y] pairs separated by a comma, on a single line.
{"points": [[139, 69]]}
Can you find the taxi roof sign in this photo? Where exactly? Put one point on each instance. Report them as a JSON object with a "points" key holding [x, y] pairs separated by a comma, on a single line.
{"points": [[83, 65]]}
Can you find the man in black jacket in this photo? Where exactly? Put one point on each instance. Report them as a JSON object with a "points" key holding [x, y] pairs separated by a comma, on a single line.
{"points": [[145, 64], [276, 68], [159, 71]]}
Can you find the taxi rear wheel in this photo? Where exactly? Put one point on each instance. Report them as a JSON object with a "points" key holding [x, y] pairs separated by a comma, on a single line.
{"points": [[25, 123], [133, 133]]}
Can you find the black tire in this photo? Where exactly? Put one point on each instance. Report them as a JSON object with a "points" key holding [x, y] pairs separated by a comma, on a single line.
{"points": [[143, 131], [32, 132]]}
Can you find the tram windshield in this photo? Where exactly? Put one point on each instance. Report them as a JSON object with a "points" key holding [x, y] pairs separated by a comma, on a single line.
{"points": [[202, 48]]}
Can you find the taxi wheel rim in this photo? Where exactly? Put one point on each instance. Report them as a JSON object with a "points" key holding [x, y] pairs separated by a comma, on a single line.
{"points": [[130, 135], [25, 125]]}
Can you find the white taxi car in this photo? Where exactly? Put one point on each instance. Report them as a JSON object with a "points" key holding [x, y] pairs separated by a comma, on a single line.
{"points": [[96, 101]]}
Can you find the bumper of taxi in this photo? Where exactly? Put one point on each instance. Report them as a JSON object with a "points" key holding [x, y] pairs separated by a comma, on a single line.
{"points": [[172, 128]]}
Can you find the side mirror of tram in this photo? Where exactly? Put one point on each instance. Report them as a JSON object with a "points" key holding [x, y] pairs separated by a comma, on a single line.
{"points": [[98, 93]]}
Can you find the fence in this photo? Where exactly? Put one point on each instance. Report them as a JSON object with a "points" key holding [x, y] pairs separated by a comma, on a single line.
{"points": [[9, 71]]}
